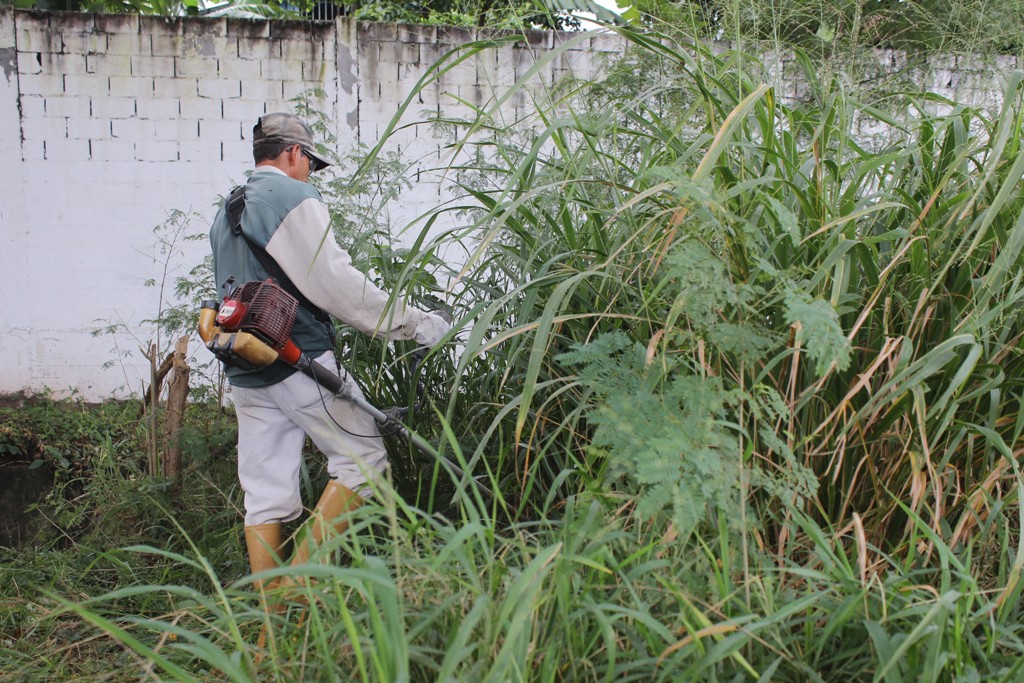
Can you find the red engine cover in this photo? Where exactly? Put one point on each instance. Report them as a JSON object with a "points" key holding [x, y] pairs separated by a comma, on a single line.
{"points": [[231, 314]]}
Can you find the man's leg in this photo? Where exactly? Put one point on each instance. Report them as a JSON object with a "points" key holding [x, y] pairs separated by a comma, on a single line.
{"points": [[346, 435], [269, 458], [355, 453]]}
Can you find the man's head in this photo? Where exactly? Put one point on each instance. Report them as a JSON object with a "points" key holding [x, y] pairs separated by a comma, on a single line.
{"points": [[285, 140]]}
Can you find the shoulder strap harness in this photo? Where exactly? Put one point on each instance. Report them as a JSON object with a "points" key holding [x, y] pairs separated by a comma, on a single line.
{"points": [[233, 207]]}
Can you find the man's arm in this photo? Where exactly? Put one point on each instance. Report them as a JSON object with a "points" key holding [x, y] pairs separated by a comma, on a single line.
{"points": [[323, 271]]}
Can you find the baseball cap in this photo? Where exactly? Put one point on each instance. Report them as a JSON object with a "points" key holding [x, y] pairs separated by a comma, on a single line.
{"points": [[287, 129]]}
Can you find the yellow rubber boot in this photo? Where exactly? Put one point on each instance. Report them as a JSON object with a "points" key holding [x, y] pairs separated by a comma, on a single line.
{"points": [[336, 500], [263, 542], [323, 521]]}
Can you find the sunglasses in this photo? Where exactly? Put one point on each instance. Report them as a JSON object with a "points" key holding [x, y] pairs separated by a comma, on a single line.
{"points": [[314, 164]]}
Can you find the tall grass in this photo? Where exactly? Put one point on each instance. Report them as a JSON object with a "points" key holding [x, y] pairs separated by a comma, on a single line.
{"points": [[862, 298], [590, 594], [745, 386]]}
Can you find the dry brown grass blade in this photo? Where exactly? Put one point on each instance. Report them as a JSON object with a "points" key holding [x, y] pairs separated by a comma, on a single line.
{"points": [[918, 480], [794, 380], [845, 406], [669, 239], [977, 505], [713, 630], [869, 305], [708, 162], [652, 347]]}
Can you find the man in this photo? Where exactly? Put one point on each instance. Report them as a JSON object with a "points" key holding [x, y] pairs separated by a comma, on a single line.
{"points": [[280, 233]]}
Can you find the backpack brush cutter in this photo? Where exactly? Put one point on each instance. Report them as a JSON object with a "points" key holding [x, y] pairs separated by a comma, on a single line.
{"points": [[252, 329]]}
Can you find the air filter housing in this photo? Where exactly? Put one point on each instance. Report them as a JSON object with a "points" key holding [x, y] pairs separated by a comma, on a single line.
{"points": [[262, 309]]}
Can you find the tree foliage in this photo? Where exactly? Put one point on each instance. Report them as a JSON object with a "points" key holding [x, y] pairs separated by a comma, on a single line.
{"points": [[957, 26], [492, 13]]}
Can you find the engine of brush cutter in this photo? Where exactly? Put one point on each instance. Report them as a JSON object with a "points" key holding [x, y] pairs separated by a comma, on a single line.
{"points": [[252, 327]]}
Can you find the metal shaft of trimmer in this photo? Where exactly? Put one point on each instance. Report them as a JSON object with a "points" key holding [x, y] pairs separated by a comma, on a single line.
{"points": [[337, 386]]}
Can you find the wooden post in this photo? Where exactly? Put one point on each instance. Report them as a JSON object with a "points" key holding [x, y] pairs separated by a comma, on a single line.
{"points": [[177, 395], [153, 396]]}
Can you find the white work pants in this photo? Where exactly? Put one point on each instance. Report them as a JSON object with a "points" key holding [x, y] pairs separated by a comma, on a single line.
{"points": [[272, 425]]}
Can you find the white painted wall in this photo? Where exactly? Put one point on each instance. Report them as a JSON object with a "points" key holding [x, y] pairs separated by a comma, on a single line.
{"points": [[109, 123], [121, 121]]}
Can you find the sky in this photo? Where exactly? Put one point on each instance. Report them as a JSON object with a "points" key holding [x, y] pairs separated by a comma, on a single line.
{"points": [[607, 4]]}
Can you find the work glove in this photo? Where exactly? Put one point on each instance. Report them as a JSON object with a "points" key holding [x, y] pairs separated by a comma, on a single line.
{"points": [[430, 329]]}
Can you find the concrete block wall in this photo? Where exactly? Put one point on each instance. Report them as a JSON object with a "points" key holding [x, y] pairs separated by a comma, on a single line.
{"points": [[393, 58], [111, 126]]}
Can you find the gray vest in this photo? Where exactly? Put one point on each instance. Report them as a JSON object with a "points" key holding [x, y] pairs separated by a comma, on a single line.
{"points": [[269, 197]]}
